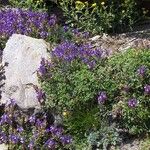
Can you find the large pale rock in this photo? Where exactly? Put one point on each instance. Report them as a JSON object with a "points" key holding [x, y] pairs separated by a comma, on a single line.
{"points": [[3, 147], [23, 55]]}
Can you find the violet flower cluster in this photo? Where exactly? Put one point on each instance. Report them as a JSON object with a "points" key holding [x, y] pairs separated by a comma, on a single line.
{"points": [[147, 89], [142, 70], [26, 22], [30, 131], [69, 51], [132, 102], [102, 97]]}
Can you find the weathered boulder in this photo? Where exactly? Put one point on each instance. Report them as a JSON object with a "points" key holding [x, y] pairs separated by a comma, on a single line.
{"points": [[22, 55]]}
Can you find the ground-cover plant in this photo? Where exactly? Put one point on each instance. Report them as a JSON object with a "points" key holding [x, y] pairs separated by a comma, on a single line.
{"points": [[22, 131], [80, 79], [74, 66], [127, 81], [71, 84], [101, 16], [32, 4], [27, 22], [36, 24]]}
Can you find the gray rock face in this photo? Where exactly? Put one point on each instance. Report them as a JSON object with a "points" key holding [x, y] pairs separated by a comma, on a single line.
{"points": [[23, 55]]}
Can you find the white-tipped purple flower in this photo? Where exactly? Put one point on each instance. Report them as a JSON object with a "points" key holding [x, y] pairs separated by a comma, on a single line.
{"points": [[40, 123], [13, 138], [66, 139], [51, 144], [57, 131], [42, 68], [102, 97], [11, 103], [32, 119], [132, 103], [5, 119], [20, 129], [147, 89], [142, 70], [31, 145], [3, 138], [66, 28], [40, 95]]}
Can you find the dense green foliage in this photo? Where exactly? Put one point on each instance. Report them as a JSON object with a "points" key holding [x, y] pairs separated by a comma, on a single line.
{"points": [[123, 71], [102, 16], [94, 96], [73, 88]]}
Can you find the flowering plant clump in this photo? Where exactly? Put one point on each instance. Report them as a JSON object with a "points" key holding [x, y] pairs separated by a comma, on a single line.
{"points": [[71, 82], [27, 22], [72, 71], [132, 103], [21, 131], [129, 75], [101, 16]]}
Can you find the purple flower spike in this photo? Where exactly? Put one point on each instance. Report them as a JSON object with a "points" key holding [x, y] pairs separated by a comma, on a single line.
{"points": [[3, 138], [132, 102], [85, 34], [39, 123], [42, 70], [56, 131], [32, 119], [66, 28], [14, 138], [5, 119], [147, 89], [40, 95], [11, 102], [50, 143], [102, 97], [66, 139], [142, 70], [20, 129], [31, 145]]}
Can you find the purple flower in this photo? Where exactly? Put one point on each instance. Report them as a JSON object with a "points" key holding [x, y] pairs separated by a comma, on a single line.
{"points": [[56, 130], [40, 95], [42, 68], [50, 143], [142, 70], [66, 28], [3, 138], [85, 34], [26, 22], [75, 31], [31, 144], [52, 20], [132, 102], [91, 64], [39, 123], [14, 138], [43, 34], [32, 119], [102, 97], [20, 129], [147, 89], [11, 102], [5, 119], [66, 139]]}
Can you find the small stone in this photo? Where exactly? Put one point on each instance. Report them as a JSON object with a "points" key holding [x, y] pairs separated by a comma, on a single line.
{"points": [[95, 38]]}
